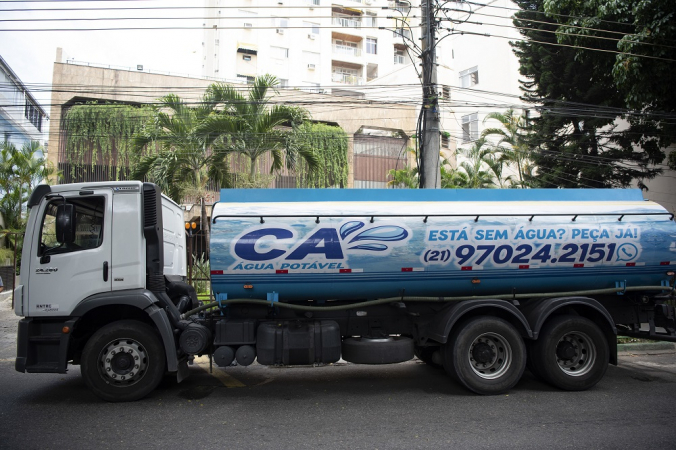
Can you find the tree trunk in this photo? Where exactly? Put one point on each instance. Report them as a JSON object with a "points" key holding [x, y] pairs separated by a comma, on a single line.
{"points": [[252, 170]]}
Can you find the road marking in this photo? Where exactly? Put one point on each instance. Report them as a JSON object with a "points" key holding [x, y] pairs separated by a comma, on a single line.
{"points": [[225, 378]]}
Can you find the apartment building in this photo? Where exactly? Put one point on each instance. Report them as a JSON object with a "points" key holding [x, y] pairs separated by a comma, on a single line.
{"points": [[314, 44], [22, 118], [487, 71]]}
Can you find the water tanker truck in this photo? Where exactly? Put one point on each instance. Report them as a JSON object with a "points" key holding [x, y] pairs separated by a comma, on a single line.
{"points": [[480, 282]]}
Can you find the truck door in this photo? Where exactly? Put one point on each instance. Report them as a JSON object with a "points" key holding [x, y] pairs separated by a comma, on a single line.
{"points": [[62, 275]]}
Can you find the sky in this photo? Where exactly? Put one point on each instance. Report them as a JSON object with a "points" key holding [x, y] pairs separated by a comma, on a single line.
{"points": [[31, 53]]}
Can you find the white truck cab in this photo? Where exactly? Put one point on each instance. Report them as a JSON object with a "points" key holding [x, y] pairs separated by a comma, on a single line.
{"points": [[94, 253]]}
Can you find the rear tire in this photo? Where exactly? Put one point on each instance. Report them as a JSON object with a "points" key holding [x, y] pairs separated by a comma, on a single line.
{"points": [[485, 354], [123, 361], [571, 353]]}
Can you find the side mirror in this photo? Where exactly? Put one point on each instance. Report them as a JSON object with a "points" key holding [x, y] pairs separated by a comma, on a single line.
{"points": [[65, 223]]}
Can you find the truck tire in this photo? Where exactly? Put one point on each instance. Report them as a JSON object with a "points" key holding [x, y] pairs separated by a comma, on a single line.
{"points": [[389, 350], [485, 354], [571, 353], [123, 361]]}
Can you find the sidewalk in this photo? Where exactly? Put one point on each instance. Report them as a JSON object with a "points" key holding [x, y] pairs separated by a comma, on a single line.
{"points": [[8, 324]]}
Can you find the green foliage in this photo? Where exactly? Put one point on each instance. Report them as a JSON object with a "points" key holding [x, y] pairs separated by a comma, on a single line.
{"points": [[254, 127], [182, 148], [329, 145], [201, 274], [6, 256], [21, 169], [511, 147], [581, 147], [481, 168], [102, 134], [406, 178]]}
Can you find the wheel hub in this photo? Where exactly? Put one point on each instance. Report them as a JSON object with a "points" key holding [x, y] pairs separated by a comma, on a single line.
{"points": [[490, 356], [123, 361], [575, 353], [565, 350], [482, 353]]}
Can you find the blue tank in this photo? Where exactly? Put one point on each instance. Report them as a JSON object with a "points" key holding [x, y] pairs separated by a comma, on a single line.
{"points": [[300, 244]]}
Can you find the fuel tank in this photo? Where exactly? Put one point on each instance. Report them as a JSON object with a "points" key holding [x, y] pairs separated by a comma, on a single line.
{"points": [[300, 244]]}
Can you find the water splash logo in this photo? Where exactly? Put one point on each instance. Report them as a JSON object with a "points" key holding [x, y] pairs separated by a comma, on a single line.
{"points": [[371, 239]]}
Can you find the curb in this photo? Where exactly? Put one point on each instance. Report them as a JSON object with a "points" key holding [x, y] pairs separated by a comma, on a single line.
{"points": [[643, 346]]}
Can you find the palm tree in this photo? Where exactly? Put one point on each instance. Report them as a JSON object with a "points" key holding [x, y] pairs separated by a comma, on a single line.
{"points": [[477, 166], [511, 141], [257, 131], [451, 178], [189, 146], [21, 170], [183, 158], [403, 178]]}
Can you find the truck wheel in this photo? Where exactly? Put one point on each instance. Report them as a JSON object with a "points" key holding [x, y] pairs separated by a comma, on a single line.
{"points": [[123, 361], [571, 353], [485, 354]]}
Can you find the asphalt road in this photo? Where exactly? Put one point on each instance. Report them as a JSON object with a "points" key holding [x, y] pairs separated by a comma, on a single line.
{"points": [[401, 406]]}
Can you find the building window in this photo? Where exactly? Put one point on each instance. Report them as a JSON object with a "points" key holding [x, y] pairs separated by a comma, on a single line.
{"points": [[313, 28], [402, 7], [399, 56], [403, 33], [311, 87], [311, 58], [469, 77], [470, 127], [283, 83], [446, 92], [369, 19], [32, 113], [246, 57], [372, 46], [279, 52], [280, 22], [246, 78], [445, 141]]}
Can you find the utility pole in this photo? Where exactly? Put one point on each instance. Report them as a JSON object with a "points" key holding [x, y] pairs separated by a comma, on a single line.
{"points": [[430, 135]]}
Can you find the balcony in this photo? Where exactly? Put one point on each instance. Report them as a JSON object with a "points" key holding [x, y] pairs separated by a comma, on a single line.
{"points": [[344, 78], [347, 50], [346, 22]]}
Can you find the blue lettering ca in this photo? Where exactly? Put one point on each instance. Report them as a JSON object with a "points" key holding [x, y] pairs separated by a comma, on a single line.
{"points": [[324, 241]]}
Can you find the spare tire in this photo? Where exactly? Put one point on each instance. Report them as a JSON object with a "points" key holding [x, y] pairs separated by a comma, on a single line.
{"points": [[387, 350]]}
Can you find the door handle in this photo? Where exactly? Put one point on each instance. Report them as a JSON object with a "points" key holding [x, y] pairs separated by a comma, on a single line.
{"points": [[105, 271]]}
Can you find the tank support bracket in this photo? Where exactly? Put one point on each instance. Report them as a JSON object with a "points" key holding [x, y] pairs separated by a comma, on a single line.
{"points": [[220, 298]]}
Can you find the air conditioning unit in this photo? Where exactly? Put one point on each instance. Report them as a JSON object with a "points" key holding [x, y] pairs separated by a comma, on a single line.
{"points": [[310, 67], [248, 25], [280, 30], [311, 36]]}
